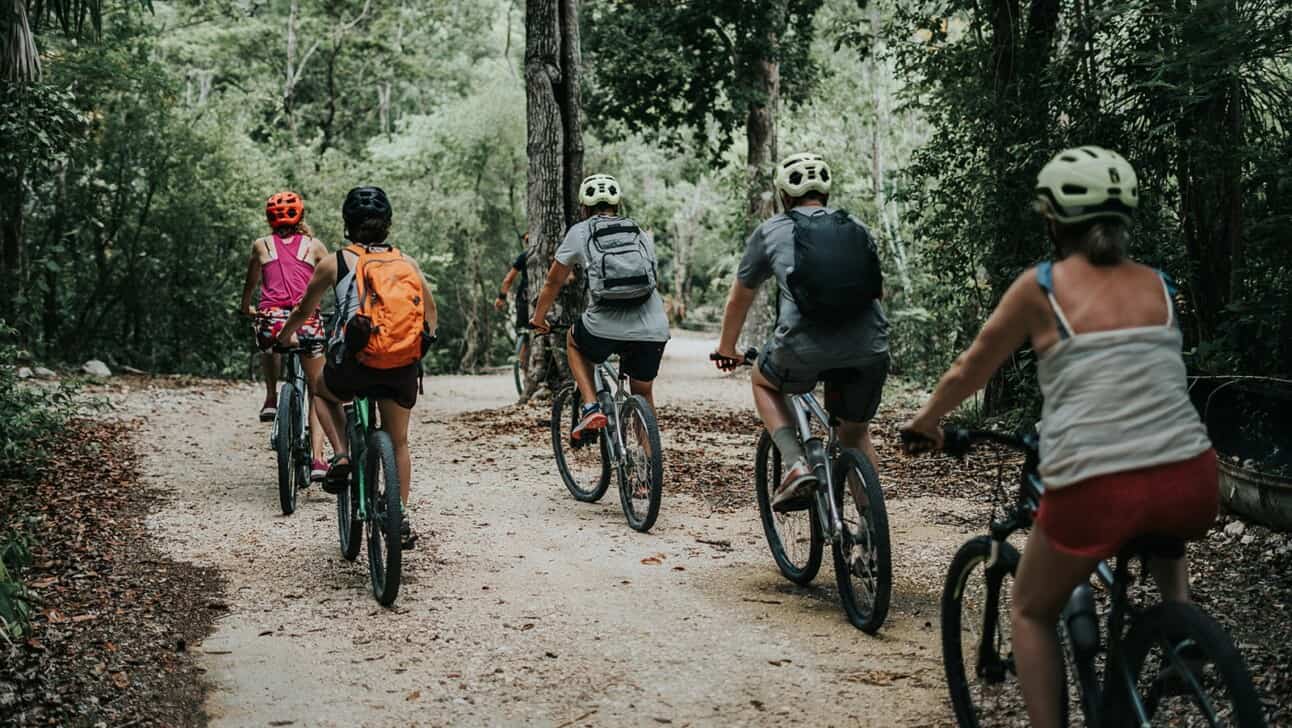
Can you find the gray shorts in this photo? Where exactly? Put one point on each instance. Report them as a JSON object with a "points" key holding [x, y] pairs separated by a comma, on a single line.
{"points": [[851, 393]]}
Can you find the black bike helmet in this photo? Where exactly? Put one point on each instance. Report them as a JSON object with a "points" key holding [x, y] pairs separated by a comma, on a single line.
{"points": [[365, 203]]}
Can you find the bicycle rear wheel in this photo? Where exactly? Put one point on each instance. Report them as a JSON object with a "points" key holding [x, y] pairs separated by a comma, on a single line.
{"points": [[381, 481], [794, 537], [284, 437], [977, 649], [303, 449], [585, 469], [1187, 671], [641, 481], [862, 556], [349, 527]]}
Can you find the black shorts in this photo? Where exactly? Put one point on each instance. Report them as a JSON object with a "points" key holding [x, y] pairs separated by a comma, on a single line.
{"points": [[522, 314], [352, 379], [638, 359], [851, 393]]}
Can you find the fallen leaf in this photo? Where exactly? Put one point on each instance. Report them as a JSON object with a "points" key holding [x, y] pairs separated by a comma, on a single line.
{"points": [[414, 695]]}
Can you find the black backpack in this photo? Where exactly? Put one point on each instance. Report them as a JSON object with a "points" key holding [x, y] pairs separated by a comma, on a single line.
{"points": [[836, 268]]}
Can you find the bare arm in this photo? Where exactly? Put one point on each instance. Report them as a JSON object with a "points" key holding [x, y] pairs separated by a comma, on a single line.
{"points": [[733, 318], [323, 278], [252, 281], [501, 301], [556, 277]]}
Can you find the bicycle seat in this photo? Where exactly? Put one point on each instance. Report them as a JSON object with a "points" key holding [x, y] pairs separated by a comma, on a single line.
{"points": [[1155, 545]]}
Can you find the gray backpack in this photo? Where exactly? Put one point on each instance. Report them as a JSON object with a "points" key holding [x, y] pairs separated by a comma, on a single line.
{"points": [[621, 264]]}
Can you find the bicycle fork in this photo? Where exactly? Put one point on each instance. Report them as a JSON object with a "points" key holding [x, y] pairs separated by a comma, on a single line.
{"points": [[818, 458]]}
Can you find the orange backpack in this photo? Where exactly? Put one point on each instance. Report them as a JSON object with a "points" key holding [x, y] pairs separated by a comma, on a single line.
{"points": [[390, 299]]}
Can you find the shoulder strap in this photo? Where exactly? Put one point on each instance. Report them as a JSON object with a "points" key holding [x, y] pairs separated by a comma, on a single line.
{"points": [[303, 252], [1045, 278], [1169, 289], [271, 245]]}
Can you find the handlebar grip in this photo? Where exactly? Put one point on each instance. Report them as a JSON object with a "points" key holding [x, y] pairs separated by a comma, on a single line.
{"points": [[955, 441]]}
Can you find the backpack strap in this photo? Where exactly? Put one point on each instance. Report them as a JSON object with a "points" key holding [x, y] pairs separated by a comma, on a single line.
{"points": [[1045, 279], [270, 246], [303, 252], [1169, 289], [626, 226]]}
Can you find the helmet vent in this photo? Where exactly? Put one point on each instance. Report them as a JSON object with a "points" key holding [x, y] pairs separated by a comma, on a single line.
{"points": [[1068, 158], [1074, 190]]}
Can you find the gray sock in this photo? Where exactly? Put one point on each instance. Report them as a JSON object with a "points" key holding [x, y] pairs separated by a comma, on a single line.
{"points": [[787, 441]]}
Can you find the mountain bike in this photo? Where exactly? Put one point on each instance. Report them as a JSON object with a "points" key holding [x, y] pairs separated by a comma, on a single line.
{"points": [[1166, 664], [519, 364], [369, 508], [845, 507], [629, 443], [290, 435]]}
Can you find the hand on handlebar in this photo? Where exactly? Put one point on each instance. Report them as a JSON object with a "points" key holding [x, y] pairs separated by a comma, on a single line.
{"points": [[540, 326], [291, 342], [730, 361], [920, 436]]}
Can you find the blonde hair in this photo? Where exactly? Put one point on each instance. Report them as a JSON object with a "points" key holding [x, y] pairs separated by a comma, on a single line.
{"points": [[300, 228]]}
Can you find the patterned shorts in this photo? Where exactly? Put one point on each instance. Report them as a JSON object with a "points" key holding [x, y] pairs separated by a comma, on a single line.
{"points": [[270, 320]]}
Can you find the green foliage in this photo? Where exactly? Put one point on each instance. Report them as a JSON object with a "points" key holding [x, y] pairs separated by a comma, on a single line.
{"points": [[30, 414], [15, 601]]}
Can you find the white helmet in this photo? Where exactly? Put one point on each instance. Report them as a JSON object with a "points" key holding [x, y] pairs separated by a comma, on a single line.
{"points": [[599, 188], [1087, 183], [799, 174]]}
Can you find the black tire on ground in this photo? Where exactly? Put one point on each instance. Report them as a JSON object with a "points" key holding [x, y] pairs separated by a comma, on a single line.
{"points": [[381, 479], [794, 537], [303, 451], [349, 527], [284, 428], [865, 581], [586, 479], [643, 474], [974, 587], [1219, 680]]}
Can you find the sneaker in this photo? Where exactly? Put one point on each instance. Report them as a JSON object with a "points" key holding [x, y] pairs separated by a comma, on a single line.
{"points": [[593, 420], [318, 470], [268, 410], [407, 539], [794, 486]]}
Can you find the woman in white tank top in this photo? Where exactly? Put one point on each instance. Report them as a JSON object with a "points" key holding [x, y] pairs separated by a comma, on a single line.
{"points": [[1123, 452]]}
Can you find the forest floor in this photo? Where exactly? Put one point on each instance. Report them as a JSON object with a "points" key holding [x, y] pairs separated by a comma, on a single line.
{"points": [[522, 606]]}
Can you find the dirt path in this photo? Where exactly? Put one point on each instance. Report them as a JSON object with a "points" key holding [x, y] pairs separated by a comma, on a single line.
{"points": [[522, 606]]}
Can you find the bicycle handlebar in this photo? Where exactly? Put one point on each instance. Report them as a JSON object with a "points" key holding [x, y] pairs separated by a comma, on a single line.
{"points": [[728, 364], [957, 441]]}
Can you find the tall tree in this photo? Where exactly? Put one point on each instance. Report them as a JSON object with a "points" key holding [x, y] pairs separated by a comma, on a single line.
{"points": [[554, 143]]}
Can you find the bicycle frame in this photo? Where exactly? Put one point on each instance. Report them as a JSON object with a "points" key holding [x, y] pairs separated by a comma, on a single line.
{"points": [[804, 408], [602, 375]]}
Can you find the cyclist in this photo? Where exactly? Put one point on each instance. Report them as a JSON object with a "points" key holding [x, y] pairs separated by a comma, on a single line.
{"points": [[518, 275], [625, 313], [848, 352], [1123, 452], [281, 265], [367, 215]]}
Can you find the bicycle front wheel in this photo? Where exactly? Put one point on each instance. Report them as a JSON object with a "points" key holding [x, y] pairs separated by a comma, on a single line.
{"points": [[794, 537], [284, 442], [1187, 672], [863, 563], [381, 481], [303, 449], [585, 467], [641, 479]]}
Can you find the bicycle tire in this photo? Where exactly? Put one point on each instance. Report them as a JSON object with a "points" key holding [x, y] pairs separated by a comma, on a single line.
{"points": [[303, 450], [565, 414], [964, 566], [385, 553], [637, 408], [349, 527], [866, 615], [767, 468], [1173, 624], [284, 428]]}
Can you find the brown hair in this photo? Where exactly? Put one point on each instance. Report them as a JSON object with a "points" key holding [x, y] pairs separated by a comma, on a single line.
{"points": [[1103, 242], [300, 228]]}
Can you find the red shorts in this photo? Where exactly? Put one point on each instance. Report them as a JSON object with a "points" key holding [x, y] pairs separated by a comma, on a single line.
{"points": [[1096, 517]]}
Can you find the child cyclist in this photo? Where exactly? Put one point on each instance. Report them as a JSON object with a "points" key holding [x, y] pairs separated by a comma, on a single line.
{"points": [[281, 264], [625, 315], [373, 281]]}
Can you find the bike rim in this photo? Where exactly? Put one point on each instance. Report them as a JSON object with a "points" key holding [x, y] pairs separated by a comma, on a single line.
{"points": [[584, 464], [638, 476], [994, 693], [793, 528], [1182, 686], [859, 543]]}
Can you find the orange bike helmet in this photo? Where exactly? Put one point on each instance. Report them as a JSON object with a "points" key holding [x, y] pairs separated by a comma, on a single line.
{"points": [[285, 208]]}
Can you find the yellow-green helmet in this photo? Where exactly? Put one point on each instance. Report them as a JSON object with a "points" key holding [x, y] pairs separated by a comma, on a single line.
{"points": [[801, 173], [599, 188], [1087, 183]]}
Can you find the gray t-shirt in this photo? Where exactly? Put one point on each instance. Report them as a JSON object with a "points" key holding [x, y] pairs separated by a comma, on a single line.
{"points": [[770, 252], [646, 322]]}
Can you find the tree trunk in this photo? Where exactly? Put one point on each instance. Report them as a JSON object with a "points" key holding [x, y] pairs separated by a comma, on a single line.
{"points": [[760, 139], [11, 242], [554, 148]]}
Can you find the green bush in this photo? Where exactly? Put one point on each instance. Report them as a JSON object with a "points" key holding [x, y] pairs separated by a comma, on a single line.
{"points": [[15, 603], [29, 413]]}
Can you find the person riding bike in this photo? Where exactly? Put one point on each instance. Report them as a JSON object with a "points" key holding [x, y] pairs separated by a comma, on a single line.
{"points": [[281, 265], [625, 313], [517, 275], [1123, 451], [367, 215], [843, 343]]}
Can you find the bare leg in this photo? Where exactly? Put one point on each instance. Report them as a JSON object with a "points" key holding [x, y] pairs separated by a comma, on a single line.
{"points": [[645, 389], [394, 421], [331, 416], [1046, 578], [269, 368], [581, 368], [770, 403], [856, 435], [1172, 577], [321, 415]]}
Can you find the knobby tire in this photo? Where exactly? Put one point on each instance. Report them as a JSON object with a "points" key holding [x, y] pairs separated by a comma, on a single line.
{"points": [[636, 413], [384, 548], [767, 475], [866, 615]]}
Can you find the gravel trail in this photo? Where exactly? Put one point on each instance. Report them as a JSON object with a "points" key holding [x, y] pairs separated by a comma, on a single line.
{"points": [[520, 605]]}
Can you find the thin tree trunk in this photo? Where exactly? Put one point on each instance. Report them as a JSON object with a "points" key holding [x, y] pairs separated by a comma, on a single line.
{"points": [[571, 100]]}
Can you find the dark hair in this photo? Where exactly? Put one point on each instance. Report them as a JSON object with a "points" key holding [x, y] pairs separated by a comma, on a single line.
{"points": [[1102, 241], [604, 206], [372, 230]]}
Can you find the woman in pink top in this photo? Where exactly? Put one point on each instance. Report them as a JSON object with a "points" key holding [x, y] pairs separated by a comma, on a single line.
{"points": [[282, 264]]}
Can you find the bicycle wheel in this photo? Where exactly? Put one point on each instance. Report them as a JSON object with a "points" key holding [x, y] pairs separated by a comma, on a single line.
{"points": [[977, 649], [303, 448], [381, 481], [585, 469], [794, 537], [1187, 671], [349, 527], [284, 429], [862, 556], [641, 481]]}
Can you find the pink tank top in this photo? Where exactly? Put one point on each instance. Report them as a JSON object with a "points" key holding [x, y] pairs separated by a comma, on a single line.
{"points": [[287, 274]]}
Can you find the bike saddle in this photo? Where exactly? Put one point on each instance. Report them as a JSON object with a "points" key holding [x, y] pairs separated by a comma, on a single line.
{"points": [[1155, 545]]}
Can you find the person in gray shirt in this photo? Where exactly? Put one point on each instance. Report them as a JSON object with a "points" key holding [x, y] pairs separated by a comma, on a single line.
{"points": [[850, 357], [636, 332]]}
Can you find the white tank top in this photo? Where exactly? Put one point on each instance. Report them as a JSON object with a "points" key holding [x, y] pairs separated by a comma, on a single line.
{"points": [[1115, 400]]}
